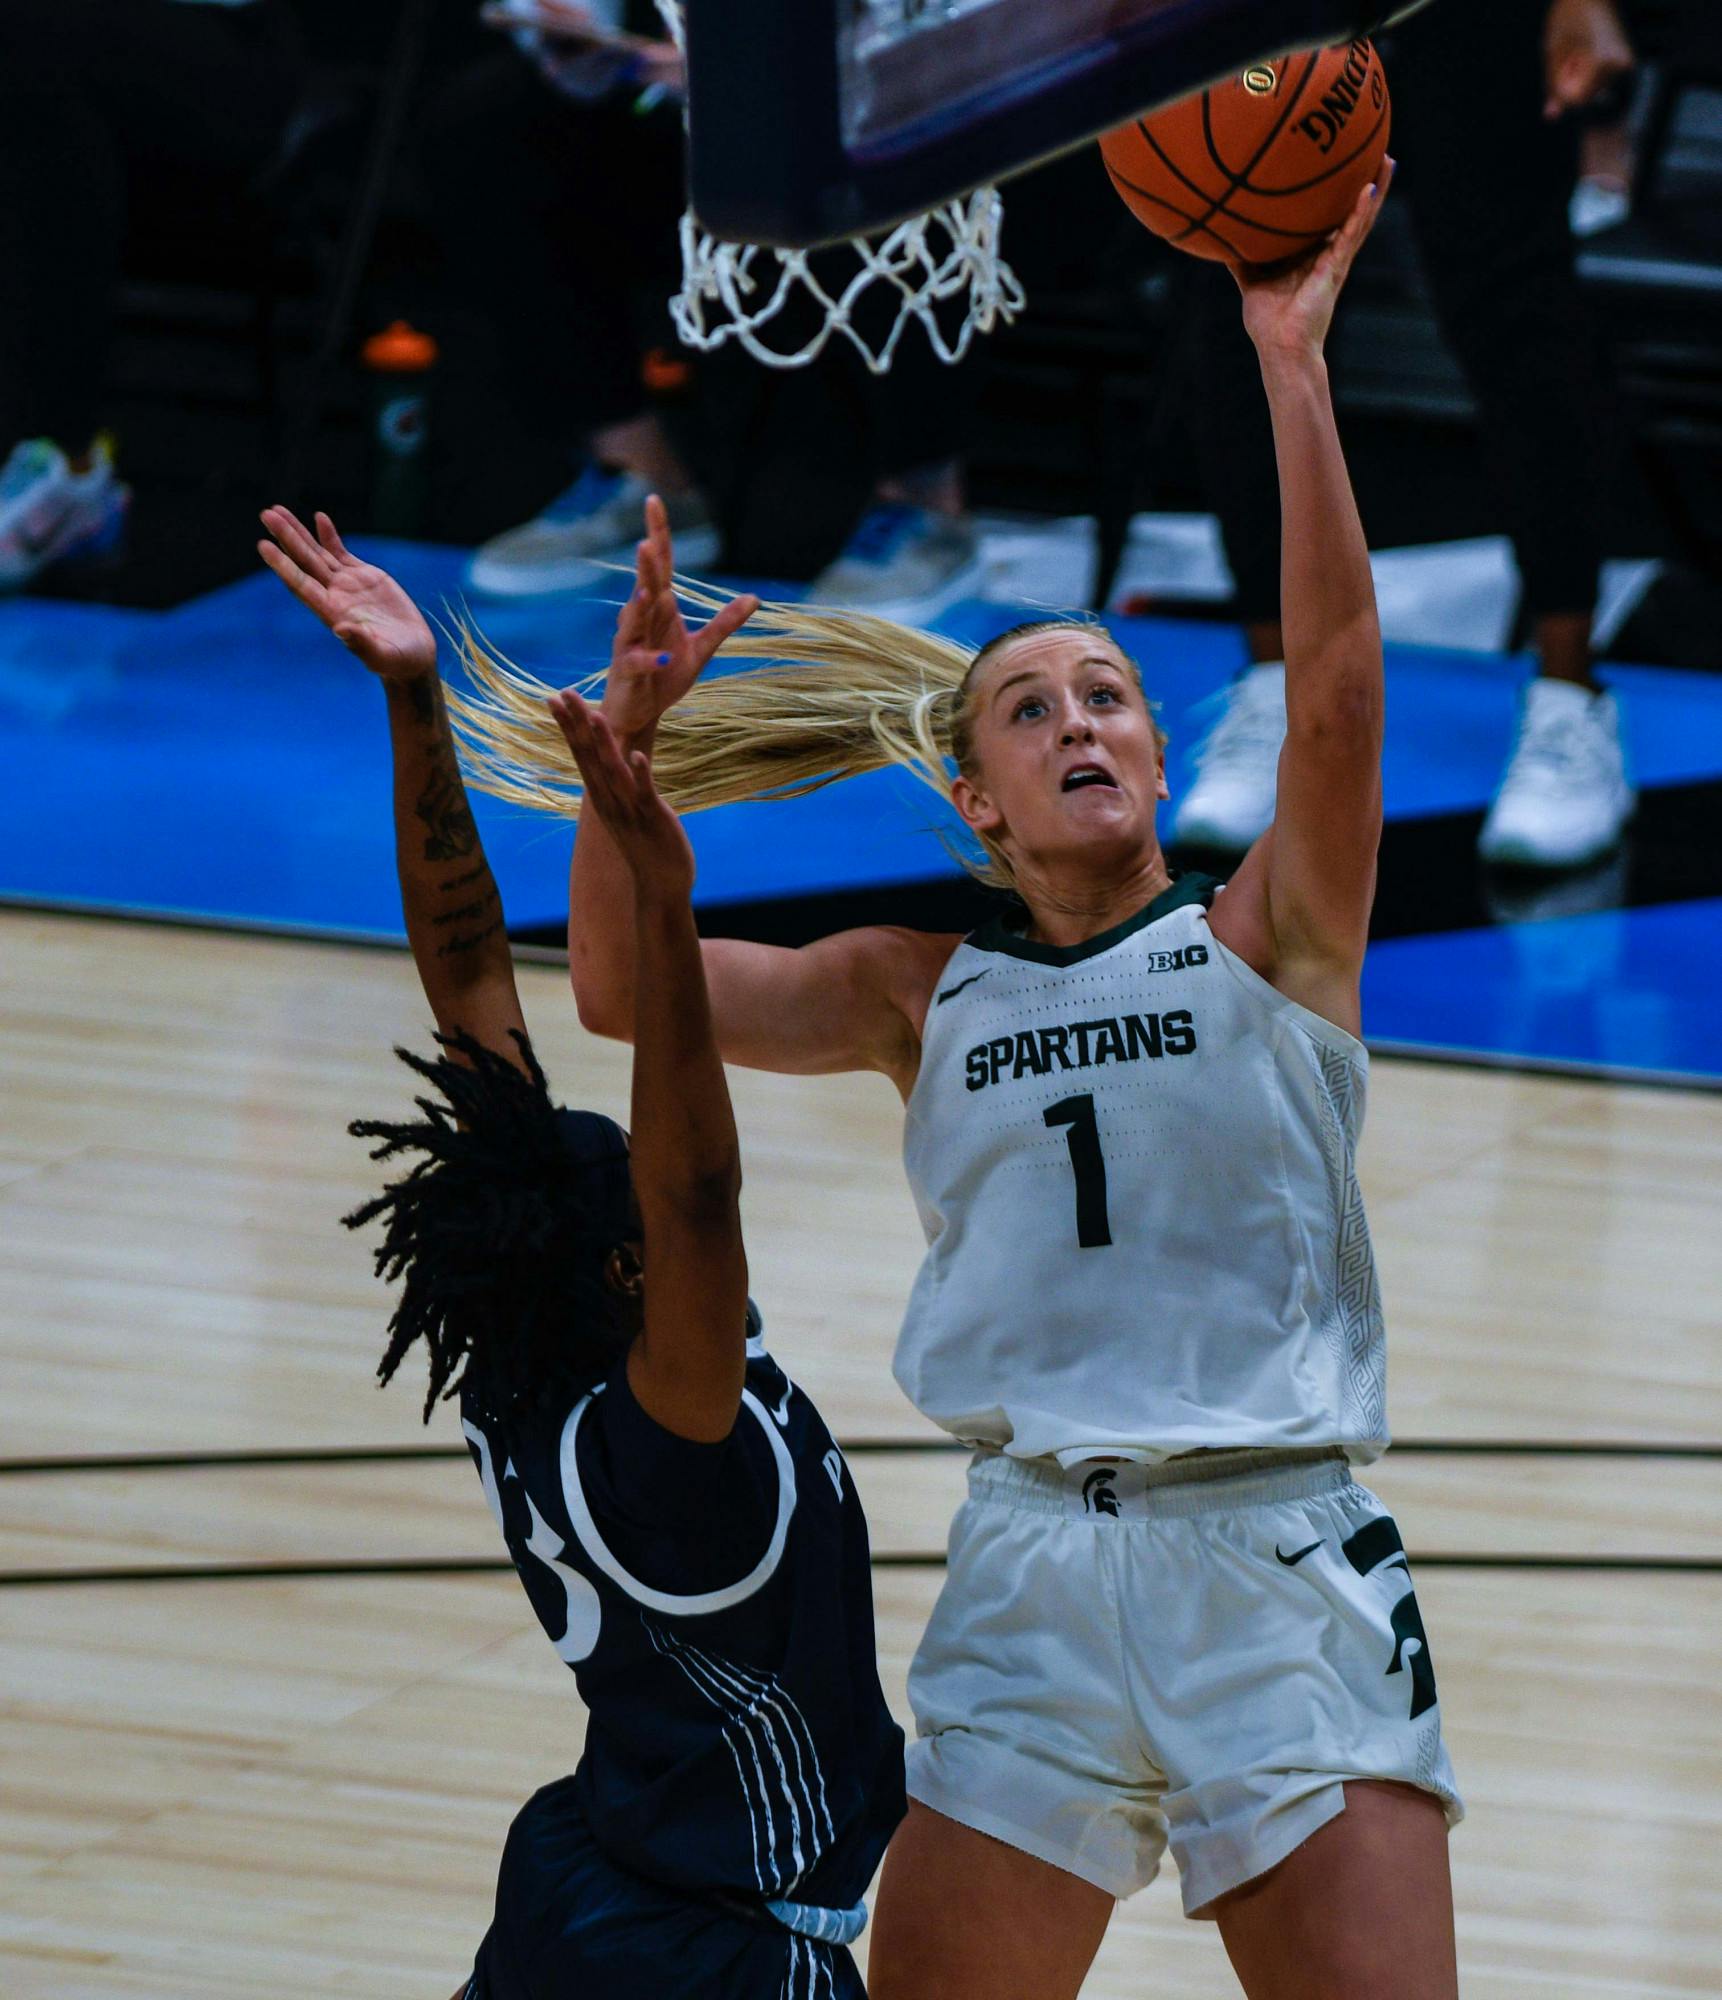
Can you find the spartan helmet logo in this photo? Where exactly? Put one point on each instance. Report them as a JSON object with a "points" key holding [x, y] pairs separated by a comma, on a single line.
{"points": [[1259, 80], [1376, 1550], [1097, 1494]]}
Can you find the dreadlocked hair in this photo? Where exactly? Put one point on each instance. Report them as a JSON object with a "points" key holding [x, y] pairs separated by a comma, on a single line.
{"points": [[835, 693], [494, 1230]]}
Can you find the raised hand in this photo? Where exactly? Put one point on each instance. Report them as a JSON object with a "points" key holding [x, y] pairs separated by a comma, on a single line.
{"points": [[362, 605], [1289, 307], [620, 790], [655, 659]]}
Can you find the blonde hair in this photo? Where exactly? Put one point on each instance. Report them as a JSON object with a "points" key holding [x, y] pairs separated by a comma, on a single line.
{"points": [[837, 693]]}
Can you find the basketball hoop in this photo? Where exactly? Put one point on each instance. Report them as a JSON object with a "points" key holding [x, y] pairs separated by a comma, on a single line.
{"points": [[747, 291]]}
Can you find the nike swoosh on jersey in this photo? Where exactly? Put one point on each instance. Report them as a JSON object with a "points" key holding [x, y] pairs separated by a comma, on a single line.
{"points": [[781, 1413], [951, 992], [1291, 1562]]}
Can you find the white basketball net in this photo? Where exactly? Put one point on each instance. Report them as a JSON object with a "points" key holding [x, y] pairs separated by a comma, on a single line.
{"points": [[743, 291]]}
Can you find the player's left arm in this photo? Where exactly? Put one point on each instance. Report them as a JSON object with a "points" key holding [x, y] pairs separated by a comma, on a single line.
{"points": [[1304, 893], [449, 898]]}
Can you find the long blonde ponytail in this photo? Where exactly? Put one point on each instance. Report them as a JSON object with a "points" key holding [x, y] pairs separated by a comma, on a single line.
{"points": [[837, 693]]}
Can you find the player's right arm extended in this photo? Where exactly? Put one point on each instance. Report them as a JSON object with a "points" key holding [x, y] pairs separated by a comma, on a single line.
{"points": [[686, 1367]]}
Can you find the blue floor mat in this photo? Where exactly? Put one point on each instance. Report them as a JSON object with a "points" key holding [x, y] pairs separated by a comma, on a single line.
{"points": [[1626, 990], [228, 761]]}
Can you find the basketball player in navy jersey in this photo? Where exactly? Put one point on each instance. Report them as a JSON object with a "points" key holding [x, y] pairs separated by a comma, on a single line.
{"points": [[683, 1523]]}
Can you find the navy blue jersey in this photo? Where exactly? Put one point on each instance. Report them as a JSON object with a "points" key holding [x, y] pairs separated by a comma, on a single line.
{"points": [[716, 1604]]}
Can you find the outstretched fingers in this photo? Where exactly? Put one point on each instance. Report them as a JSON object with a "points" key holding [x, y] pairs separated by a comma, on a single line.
{"points": [[605, 756], [646, 796], [723, 624], [658, 534], [666, 610], [291, 533], [631, 620], [307, 589], [606, 779], [329, 537], [660, 571], [573, 718], [572, 715]]}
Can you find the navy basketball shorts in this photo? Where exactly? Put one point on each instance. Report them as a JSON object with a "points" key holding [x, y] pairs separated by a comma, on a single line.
{"points": [[570, 1922], [1117, 1665]]}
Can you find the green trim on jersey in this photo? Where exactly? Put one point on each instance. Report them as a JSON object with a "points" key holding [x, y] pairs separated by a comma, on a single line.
{"points": [[998, 935]]}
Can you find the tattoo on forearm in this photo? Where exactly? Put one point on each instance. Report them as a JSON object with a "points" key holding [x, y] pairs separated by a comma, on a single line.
{"points": [[458, 945], [422, 693], [451, 834], [454, 882], [480, 906]]}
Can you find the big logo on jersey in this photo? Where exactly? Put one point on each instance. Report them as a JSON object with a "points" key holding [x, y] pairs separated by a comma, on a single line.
{"points": [[1081, 1045]]}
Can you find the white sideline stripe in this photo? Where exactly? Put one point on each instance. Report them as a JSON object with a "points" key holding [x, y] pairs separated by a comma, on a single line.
{"points": [[672, 1602]]}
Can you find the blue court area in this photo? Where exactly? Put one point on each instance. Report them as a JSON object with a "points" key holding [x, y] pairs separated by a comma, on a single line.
{"points": [[227, 761]]}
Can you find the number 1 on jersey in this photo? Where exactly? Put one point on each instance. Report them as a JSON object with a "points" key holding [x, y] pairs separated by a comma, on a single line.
{"points": [[1088, 1163]]}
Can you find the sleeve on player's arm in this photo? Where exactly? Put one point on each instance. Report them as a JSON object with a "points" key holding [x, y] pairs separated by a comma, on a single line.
{"points": [[679, 1514]]}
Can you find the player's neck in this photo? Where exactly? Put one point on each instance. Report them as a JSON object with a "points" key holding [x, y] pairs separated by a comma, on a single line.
{"points": [[1069, 906]]}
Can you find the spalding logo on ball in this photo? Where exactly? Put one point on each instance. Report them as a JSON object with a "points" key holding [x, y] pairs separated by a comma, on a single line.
{"points": [[1264, 166]]}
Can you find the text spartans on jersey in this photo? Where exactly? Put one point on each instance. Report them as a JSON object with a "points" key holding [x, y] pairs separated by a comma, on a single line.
{"points": [[1082, 1045]]}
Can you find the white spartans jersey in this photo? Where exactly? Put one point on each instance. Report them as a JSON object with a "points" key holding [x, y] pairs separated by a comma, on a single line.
{"points": [[1135, 1165]]}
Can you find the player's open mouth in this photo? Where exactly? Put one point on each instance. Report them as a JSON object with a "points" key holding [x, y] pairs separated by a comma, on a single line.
{"points": [[1088, 774]]}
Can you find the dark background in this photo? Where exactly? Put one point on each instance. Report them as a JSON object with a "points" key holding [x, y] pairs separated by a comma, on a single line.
{"points": [[221, 401]]}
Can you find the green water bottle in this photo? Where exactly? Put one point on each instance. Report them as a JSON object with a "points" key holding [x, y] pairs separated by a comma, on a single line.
{"points": [[400, 359]]}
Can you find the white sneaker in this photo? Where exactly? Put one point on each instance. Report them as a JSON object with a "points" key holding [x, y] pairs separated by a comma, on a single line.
{"points": [[904, 562], [1596, 206], [590, 529], [1230, 803], [1565, 797], [50, 514]]}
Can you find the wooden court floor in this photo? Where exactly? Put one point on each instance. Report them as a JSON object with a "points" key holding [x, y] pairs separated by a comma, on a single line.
{"points": [[295, 1781]]}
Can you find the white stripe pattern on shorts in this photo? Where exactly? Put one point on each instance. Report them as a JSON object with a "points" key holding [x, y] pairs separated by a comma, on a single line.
{"points": [[801, 1981]]}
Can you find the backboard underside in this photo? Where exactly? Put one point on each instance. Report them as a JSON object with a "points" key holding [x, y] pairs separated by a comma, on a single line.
{"points": [[812, 120]]}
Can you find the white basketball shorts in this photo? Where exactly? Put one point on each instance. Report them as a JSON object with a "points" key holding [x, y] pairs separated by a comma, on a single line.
{"points": [[1115, 1662]]}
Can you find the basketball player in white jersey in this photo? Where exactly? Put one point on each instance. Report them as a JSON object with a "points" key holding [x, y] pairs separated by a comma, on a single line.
{"points": [[1149, 1298]]}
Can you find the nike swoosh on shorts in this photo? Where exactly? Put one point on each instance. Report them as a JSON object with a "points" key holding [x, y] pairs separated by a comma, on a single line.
{"points": [[1291, 1562]]}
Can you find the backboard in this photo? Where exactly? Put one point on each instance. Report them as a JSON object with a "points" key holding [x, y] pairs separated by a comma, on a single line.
{"points": [[811, 120]]}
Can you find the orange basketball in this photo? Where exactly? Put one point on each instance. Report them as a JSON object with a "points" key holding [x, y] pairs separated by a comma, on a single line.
{"points": [[1263, 166]]}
